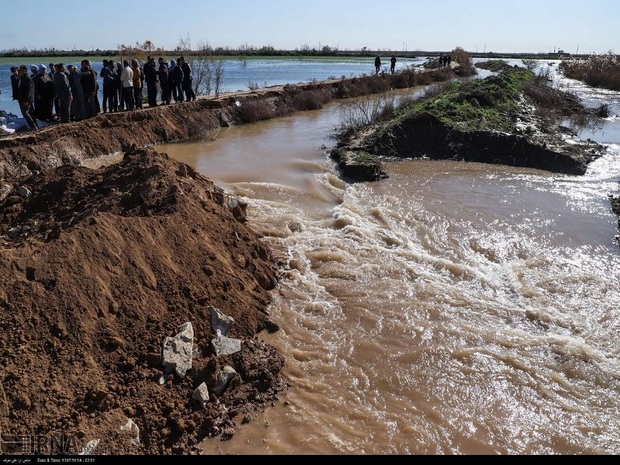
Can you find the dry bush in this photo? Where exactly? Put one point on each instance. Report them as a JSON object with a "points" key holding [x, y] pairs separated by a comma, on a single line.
{"points": [[562, 102], [253, 111], [463, 58], [311, 99], [441, 74], [434, 89], [596, 71], [377, 84], [364, 111], [403, 79]]}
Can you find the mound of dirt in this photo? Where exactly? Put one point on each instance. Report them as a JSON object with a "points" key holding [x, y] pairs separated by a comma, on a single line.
{"points": [[100, 270]]}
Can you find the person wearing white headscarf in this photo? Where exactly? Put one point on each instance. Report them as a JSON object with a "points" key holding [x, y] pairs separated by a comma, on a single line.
{"points": [[44, 94]]}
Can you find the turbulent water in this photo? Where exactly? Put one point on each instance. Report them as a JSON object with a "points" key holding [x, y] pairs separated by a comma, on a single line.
{"points": [[453, 308]]}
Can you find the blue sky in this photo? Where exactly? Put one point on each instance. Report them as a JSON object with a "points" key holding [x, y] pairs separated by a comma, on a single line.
{"points": [[476, 25]]}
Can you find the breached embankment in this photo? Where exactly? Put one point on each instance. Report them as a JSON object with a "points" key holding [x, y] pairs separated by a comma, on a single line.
{"points": [[510, 119]]}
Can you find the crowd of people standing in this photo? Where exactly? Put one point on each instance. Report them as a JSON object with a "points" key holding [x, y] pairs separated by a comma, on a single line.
{"points": [[63, 94]]}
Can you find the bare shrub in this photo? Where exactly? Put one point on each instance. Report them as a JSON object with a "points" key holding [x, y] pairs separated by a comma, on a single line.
{"points": [[200, 63], [434, 89], [254, 111], [603, 111], [402, 80], [377, 84], [311, 99], [441, 74], [219, 74], [596, 71], [362, 112], [562, 102], [530, 64], [463, 58]]}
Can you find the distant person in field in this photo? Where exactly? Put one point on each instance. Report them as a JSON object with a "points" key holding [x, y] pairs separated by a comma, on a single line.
{"points": [[52, 70], [176, 81], [119, 85], [107, 86], [448, 60], [44, 95], [377, 64], [25, 96], [393, 64]]}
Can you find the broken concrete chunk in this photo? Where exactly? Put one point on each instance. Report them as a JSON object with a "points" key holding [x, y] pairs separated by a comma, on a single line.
{"points": [[223, 378], [221, 323], [133, 429], [177, 353], [201, 394], [226, 346], [89, 449]]}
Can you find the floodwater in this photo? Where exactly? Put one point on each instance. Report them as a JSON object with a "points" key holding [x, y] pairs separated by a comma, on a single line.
{"points": [[454, 308]]}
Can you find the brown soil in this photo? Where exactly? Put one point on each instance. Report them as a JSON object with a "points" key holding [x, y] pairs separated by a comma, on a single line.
{"points": [[100, 266]]}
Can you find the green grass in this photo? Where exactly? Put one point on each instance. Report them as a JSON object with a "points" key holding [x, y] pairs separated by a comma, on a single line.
{"points": [[490, 104]]}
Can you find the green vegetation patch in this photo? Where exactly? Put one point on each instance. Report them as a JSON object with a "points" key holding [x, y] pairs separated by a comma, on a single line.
{"points": [[493, 65], [490, 104]]}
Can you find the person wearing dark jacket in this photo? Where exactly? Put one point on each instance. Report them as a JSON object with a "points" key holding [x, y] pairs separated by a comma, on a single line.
{"points": [[187, 79], [151, 79], [25, 96], [164, 83], [176, 81], [15, 82], [78, 109], [89, 87], [44, 95], [107, 87], [63, 92]]}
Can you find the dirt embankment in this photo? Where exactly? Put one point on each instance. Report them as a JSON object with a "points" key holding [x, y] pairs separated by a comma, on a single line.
{"points": [[98, 268], [513, 118], [60, 144], [71, 143]]}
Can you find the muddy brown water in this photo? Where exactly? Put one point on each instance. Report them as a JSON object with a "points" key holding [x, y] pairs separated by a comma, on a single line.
{"points": [[451, 309]]}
